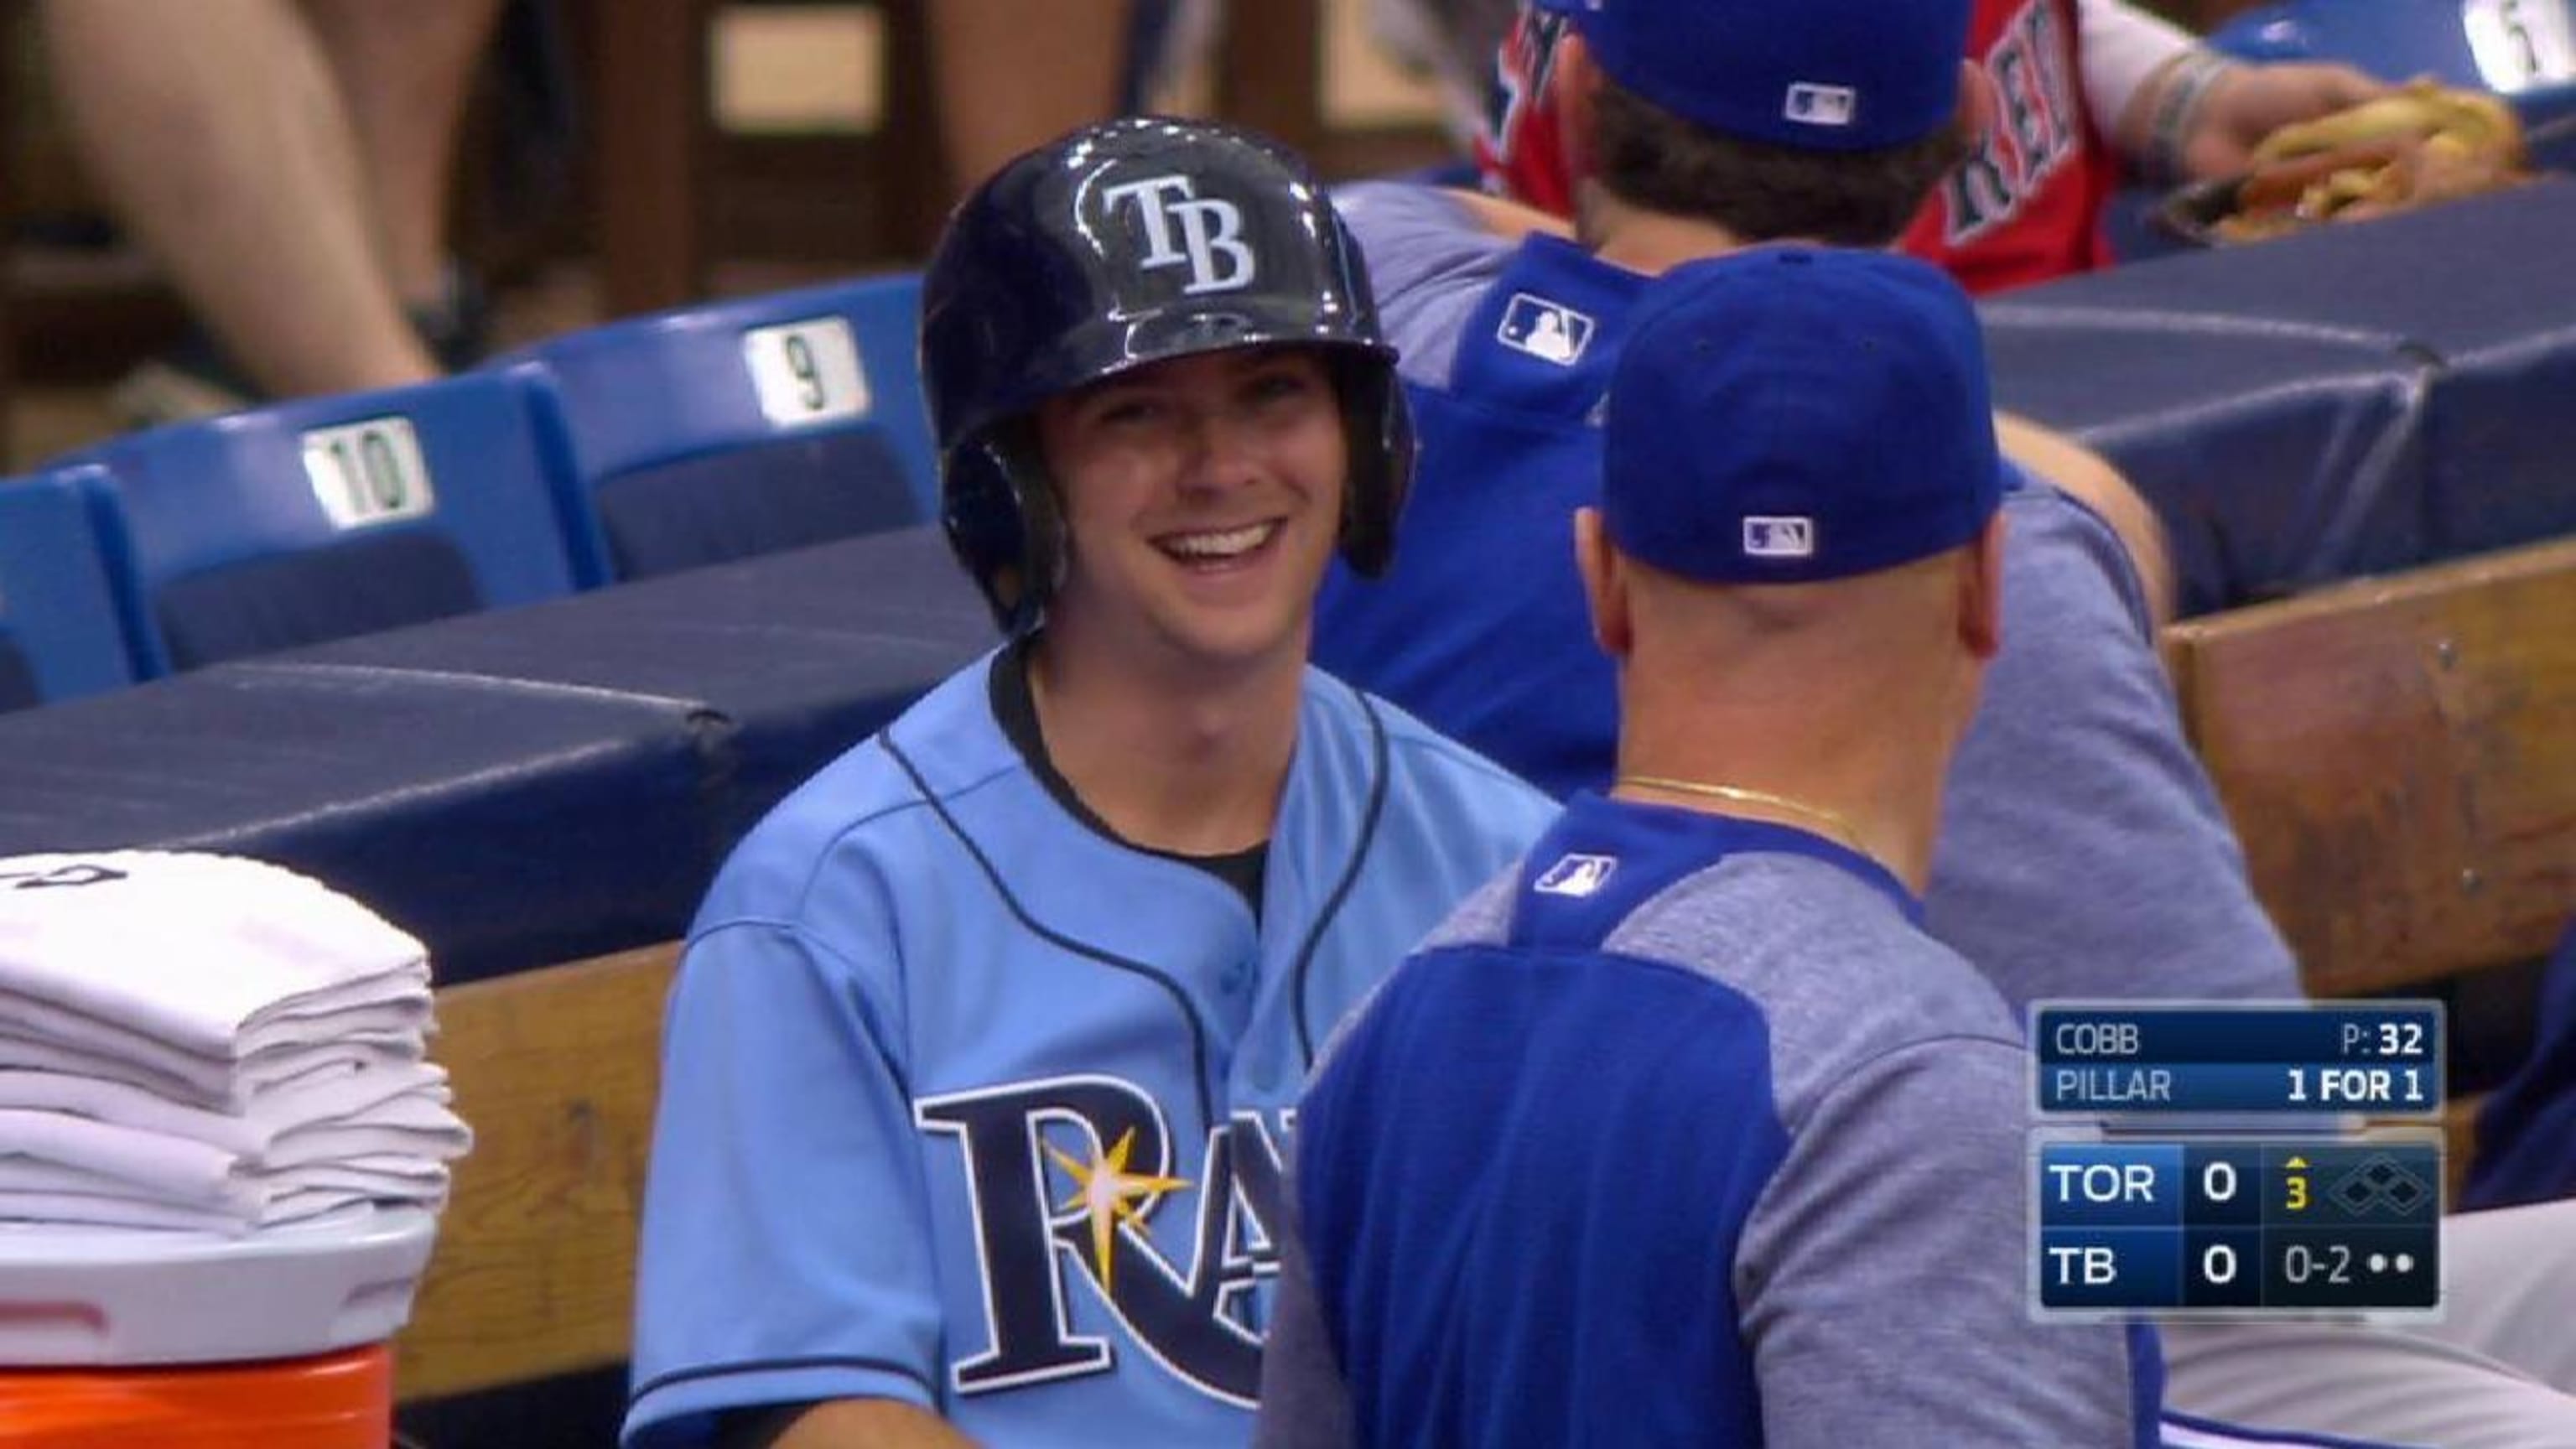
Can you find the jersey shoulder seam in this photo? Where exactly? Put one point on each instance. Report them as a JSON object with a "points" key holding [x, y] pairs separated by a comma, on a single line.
{"points": [[912, 799]]}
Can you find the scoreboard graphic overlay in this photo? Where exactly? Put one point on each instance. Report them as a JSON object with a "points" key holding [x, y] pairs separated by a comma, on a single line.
{"points": [[2210, 1159]]}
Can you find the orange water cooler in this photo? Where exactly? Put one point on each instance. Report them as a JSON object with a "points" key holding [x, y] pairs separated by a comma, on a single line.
{"points": [[166, 1340]]}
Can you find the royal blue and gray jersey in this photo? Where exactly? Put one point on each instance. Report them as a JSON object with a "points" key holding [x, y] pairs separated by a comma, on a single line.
{"points": [[967, 1105], [1685, 1134], [2082, 850]]}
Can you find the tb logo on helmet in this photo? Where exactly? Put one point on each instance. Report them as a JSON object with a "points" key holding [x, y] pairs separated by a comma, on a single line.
{"points": [[1211, 233]]}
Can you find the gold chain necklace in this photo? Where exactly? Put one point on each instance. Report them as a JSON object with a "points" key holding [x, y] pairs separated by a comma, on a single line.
{"points": [[1835, 825]]}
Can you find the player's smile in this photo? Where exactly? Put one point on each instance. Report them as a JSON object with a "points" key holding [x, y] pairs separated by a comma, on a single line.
{"points": [[1209, 552]]}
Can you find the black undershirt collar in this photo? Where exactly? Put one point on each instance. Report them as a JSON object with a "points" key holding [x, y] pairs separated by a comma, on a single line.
{"points": [[1015, 706]]}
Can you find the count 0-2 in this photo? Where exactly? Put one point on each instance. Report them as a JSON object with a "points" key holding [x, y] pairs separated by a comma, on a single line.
{"points": [[2358, 1086]]}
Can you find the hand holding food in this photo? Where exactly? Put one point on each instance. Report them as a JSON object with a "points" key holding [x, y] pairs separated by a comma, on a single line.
{"points": [[2419, 145]]}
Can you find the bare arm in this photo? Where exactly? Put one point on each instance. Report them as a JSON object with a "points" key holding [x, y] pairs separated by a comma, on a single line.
{"points": [[851, 1424], [1011, 73], [2090, 478], [1510, 219]]}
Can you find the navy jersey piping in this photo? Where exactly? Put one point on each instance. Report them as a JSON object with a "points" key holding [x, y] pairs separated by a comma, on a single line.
{"points": [[1053, 937], [1379, 769]]}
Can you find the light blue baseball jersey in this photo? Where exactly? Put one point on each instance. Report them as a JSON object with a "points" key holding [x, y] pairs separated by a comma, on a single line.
{"points": [[2082, 849], [968, 1105], [1686, 1134]]}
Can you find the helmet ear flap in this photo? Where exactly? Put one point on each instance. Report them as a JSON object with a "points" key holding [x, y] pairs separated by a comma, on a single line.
{"points": [[1002, 522], [1379, 427]]}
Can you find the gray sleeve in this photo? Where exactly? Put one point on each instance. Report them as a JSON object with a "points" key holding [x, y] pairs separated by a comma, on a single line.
{"points": [[2083, 852], [1305, 1402], [1882, 1278], [1429, 263]]}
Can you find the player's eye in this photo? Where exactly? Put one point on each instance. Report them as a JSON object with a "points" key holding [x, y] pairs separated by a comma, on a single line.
{"points": [[1283, 382], [1128, 409]]}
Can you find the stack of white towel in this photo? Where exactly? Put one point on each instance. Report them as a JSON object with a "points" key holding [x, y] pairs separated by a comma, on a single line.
{"points": [[199, 1041]]}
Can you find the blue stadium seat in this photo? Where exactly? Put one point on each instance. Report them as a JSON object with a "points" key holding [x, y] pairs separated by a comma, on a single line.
{"points": [[2508, 46], [738, 428], [324, 518], [59, 636]]}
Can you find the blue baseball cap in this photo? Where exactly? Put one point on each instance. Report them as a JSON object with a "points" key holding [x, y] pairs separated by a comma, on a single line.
{"points": [[1793, 414], [1824, 75]]}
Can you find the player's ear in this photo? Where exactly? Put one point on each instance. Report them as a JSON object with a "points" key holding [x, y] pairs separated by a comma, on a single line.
{"points": [[1605, 585], [1981, 590], [1573, 79]]}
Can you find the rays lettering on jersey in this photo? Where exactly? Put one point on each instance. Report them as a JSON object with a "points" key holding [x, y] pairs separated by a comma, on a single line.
{"points": [[1209, 232], [2036, 127], [1066, 1177]]}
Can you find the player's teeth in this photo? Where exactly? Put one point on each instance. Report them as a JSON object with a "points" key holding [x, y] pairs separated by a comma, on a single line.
{"points": [[1219, 545]]}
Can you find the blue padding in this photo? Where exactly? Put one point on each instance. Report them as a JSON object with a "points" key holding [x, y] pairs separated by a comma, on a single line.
{"points": [[2396, 392], [2527, 1128], [366, 582], [2393, 39], [665, 459], [221, 546], [59, 635], [2278, 457], [785, 661], [508, 826], [18, 686], [762, 498]]}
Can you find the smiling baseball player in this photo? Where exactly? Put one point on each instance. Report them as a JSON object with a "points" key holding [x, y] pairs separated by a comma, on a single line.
{"points": [[975, 1067]]}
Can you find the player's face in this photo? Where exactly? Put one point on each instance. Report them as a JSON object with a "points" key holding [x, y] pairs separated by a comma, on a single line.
{"points": [[1202, 497]]}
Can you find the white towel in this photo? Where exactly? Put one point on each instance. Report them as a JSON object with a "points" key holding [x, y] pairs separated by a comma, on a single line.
{"points": [[154, 1164], [49, 1154], [102, 1210], [247, 1199], [214, 954], [393, 1023], [413, 1125], [424, 1183], [199, 1081], [209, 1043], [338, 1093]]}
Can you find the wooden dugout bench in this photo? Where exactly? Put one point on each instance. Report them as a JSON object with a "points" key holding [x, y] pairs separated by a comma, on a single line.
{"points": [[2398, 754]]}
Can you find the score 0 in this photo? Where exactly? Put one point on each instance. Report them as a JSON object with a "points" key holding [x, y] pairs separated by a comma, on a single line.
{"points": [[2222, 1248]]}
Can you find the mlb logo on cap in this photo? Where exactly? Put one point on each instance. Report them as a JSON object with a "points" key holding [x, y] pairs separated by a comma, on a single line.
{"points": [[1780, 537], [1821, 105], [1548, 331]]}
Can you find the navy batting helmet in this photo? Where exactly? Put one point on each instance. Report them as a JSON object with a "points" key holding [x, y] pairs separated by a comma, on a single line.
{"points": [[1120, 245]]}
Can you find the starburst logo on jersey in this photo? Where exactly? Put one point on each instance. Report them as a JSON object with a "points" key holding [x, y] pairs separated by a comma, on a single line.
{"points": [[1576, 875], [1183, 229], [1104, 1189], [1548, 331], [1171, 1259]]}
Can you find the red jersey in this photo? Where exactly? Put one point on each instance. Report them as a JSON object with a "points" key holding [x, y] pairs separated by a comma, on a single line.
{"points": [[2023, 207]]}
